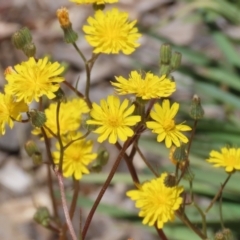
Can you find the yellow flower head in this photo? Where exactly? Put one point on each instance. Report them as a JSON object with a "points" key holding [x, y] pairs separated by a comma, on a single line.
{"points": [[69, 116], [9, 110], [164, 125], [157, 201], [114, 119], [111, 32], [32, 79], [93, 1], [63, 17], [76, 157], [146, 87], [228, 158]]}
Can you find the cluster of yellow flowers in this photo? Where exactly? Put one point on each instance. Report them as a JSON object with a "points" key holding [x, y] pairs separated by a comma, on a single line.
{"points": [[107, 32]]}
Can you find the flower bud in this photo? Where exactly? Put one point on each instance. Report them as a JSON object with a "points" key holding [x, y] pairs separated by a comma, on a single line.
{"points": [[196, 110], [176, 60], [102, 160], [29, 49], [63, 17], [21, 38], [60, 96], [37, 158], [165, 54], [37, 118], [165, 70], [170, 180], [42, 216], [31, 148], [179, 155]]}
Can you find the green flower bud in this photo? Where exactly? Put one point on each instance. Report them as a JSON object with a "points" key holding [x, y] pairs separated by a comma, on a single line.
{"points": [[219, 236], [165, 70], [42, 216], [170, 180], [31, 148], [176, 60], [196, 110], [165, 54], [29, 49], [103, 157], [69, 35], [21, 38], [60, 96], [37, 158], [37, 118]]}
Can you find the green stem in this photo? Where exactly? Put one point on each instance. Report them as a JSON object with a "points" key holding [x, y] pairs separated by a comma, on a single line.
{"points": [[59, 138], [221, 213], [79, 94], [218, 194], [80, 52]]}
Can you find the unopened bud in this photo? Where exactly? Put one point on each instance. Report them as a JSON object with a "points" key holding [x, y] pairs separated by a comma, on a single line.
{"points": [[102, 159], [165, 69], [165, 54], [31, 148], [179, 155], [42, 216], [196, 110], [21, 38], [176, 60], [60, 96], [63, 17], [37, 158], [29, 49], [37, 118], [170, 180]]}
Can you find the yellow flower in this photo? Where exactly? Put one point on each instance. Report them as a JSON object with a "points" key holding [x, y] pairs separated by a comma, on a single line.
{"points": [[76, 157], [32, 79], [113, 119], [146, 87], [9, 110], [164, 124], [93, 1], [229, 158], [111, 32], [69, 116], [157, 201]]}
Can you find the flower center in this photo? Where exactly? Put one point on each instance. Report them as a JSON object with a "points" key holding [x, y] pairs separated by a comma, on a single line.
{"points": [[114, 122], [231, 160], [169, 125]]}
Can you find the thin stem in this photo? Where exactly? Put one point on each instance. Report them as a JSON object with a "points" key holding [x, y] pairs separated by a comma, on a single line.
{"points": [[73, 204], [54, 135], [185, 220], [129, 163], [59, 138], [77, 139], [146, 162], [64, 204], [218, 194], [50, 182], [221, 213], [160, 233], [79, 94], [192, 135], [80, 52], [204, 224], [105, 185]]}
